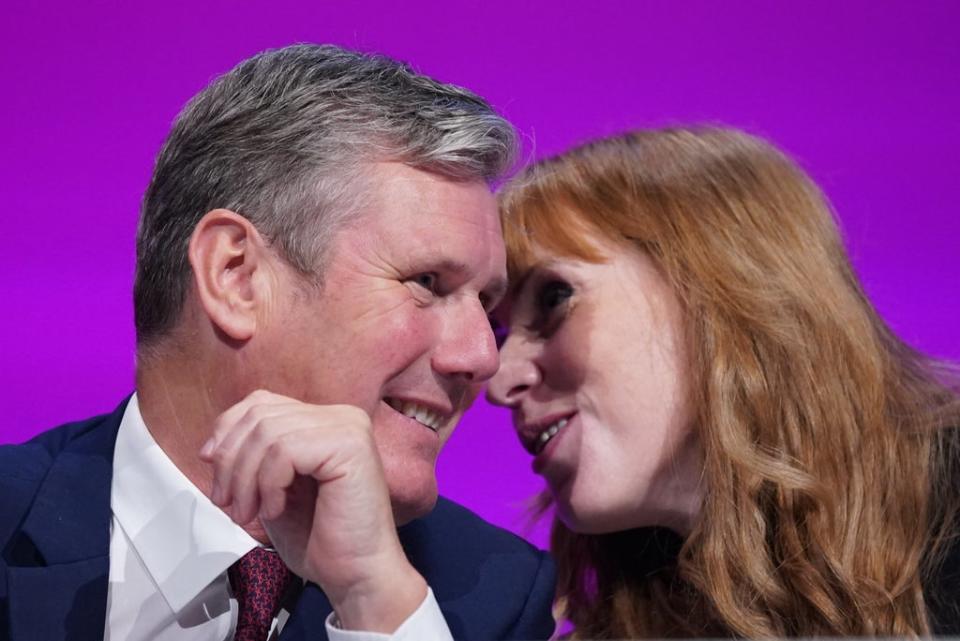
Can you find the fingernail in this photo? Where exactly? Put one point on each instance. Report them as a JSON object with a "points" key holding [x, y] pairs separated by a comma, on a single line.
{"points": [[207, 448]]}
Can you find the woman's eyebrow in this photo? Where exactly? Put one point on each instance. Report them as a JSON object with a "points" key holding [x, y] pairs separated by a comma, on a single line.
{"points": [[540, 265]]}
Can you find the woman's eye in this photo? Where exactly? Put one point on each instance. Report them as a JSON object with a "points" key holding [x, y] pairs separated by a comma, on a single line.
{"points": [[500, 331], [553, 294]]}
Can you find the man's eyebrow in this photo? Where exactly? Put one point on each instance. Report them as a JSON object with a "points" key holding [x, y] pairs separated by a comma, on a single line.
{"points": [[451, 265]]}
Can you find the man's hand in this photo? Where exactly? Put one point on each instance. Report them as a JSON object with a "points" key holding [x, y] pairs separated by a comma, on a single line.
{"points": [[313, 476]]}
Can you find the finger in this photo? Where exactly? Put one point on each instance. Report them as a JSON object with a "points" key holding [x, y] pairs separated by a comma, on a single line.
{"points": [[232, 430], [345, 446], [237, 456], [244, 487], [241, 448], [223, 424], [276, 475], [222, 458], [304, 451]]}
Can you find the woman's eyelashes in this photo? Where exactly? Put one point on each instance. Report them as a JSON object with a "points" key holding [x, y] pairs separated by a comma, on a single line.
{"points": [[553, 294], [543, 311], [551, 305]]}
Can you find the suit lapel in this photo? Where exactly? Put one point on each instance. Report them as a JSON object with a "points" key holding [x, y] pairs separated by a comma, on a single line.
{"points": [[60, 591]]}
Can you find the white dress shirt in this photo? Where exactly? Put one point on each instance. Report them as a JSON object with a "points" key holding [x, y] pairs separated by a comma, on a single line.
{"points": [[170, 548]]}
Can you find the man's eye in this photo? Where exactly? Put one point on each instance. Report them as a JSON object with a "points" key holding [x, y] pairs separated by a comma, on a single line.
{"points": [[553, 294], [426, 280]]}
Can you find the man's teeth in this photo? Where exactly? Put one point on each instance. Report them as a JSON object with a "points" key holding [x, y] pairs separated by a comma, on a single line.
{"points": [[418, 413], [549, 433]]}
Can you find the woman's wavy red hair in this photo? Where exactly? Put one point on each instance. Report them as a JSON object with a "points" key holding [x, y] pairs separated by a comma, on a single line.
{"points": [[827, 466]]}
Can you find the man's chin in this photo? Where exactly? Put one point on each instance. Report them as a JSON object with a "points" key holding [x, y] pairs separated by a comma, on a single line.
{"points": [[407, 508]]}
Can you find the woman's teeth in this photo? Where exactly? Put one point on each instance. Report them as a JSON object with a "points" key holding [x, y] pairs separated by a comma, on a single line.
{"points": [[549, 433]]}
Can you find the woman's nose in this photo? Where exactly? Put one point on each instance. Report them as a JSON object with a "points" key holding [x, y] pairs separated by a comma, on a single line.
{"points": [[516, 376]]}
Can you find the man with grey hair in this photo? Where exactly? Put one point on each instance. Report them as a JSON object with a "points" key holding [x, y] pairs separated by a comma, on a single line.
{"points": [[317, 254]]}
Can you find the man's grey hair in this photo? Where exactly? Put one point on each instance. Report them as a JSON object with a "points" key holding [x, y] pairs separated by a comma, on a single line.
{"points": [[282, 139]]}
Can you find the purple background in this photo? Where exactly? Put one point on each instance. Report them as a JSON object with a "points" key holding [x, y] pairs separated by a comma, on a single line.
{"points": [[865, 94]]}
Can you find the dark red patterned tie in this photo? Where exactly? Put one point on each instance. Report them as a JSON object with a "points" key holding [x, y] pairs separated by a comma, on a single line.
{"points": [[259, 580]]}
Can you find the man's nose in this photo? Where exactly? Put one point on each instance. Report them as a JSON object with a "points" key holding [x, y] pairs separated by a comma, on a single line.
{"points": [[468, 349], [518, 374]]}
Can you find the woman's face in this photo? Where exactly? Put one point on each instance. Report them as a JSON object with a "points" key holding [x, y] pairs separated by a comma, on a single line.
{"points": [[594, 369]]}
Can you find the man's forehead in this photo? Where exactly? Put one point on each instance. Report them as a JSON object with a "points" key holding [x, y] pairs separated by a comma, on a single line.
{"points": [[393, 183]]}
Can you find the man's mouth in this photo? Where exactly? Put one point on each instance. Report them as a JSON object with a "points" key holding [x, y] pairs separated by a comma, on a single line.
{"points": [[423, 414]]}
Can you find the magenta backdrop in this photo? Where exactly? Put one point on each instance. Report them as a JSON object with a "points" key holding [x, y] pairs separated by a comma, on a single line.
{"points": [[865, 94]]}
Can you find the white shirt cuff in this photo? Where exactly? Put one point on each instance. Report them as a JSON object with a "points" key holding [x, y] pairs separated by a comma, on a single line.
{"points": [[425, 624]]}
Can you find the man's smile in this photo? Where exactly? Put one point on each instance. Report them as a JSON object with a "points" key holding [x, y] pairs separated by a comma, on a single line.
{"points": [[428, 414]]}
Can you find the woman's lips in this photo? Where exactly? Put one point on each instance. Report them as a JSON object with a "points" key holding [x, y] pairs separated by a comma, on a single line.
{"points": [[545, 447], [535, 434]]}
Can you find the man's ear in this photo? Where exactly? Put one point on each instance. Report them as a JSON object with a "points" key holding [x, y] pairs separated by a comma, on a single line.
{"points": [[229, 257]]}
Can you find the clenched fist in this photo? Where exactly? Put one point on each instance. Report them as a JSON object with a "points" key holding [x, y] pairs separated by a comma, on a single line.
{"points": [[312, 475]]}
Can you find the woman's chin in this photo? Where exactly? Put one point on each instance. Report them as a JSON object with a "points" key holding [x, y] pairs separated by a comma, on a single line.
{"points": [[595, 519], [590, 519]]}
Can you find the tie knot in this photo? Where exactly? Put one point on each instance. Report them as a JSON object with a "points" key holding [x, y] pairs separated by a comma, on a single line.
{"points": [[259, 581]]}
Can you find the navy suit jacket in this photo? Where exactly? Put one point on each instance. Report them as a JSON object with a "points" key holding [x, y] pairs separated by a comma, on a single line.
{"points": [[55, 537]]}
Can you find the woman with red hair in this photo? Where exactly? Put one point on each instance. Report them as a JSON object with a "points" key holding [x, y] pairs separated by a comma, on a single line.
{"points": [[734, 441]]}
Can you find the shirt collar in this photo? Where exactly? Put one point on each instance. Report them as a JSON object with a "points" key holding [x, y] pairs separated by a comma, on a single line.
{"points": [[183, 539]]}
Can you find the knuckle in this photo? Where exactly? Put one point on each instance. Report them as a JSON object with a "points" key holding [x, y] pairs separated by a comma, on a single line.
{"points": [[356, 416], [255, 413], [278, 449], [259, 394], [260, 434], [219, 457]]}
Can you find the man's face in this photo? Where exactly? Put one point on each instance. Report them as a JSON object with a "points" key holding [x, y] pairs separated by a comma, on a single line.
{"points": [[400, 327]]}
